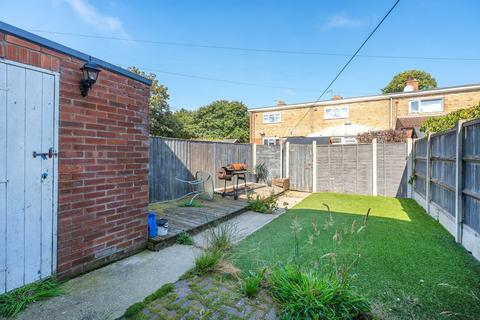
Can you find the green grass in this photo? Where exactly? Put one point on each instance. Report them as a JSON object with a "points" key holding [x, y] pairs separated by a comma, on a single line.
{"points": [[185, 238], [409, 268], [15, 301]]}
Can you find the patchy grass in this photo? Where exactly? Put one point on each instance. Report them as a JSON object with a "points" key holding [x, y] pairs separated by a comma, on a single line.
{"points": [[410, 267], [207, 262], [188, 203], [15, 301], [185, 238]]}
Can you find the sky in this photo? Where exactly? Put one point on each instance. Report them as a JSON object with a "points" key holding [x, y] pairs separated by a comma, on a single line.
{"points": [[418, 28]]}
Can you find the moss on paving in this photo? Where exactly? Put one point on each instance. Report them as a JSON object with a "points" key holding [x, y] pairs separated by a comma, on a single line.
{"points": [[410, 266], [205, 297]]}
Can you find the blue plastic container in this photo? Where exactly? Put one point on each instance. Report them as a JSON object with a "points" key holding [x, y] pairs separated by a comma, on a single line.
{"points": [[152, 225]]}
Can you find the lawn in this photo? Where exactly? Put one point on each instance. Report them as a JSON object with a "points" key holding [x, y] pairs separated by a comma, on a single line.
{"points": [[409, 266]]}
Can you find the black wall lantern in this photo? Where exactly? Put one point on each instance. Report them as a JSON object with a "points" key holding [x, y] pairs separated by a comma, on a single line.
{"points": [[90, 74]]}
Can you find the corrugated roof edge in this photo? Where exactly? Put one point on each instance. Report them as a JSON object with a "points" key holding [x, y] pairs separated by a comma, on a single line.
{"points": [[475, 86], [25, 35]]}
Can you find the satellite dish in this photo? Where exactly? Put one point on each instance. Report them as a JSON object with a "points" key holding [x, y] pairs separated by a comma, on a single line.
{"points": [[408, 88]]}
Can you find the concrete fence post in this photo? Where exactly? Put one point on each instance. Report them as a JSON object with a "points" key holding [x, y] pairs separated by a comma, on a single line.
{"points": [[314, 166], [254, 156], [409, 167], [459, 183], [374, 167], [428, 173], [287, 160], [281, 157]]}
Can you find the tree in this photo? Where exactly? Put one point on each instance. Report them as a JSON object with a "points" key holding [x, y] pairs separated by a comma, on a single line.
{"points": [[448, 121], [426, 81], [162, 122], [187, 126], [222, 119]]}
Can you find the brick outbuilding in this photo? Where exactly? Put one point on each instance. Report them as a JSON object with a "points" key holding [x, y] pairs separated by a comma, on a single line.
{"points": [[101, 179]]}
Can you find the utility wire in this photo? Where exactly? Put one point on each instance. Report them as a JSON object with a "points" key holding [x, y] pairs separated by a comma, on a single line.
{"points": [[348, 62], [258, 50]]}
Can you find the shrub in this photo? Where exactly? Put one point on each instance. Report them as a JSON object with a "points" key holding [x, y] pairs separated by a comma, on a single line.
{"points": [[383, 136], [184, 238], [207, 262], [311, 295], [221, 237], [261, 172], [263, 205], [15, 301], [251, 283], [450, 120]]}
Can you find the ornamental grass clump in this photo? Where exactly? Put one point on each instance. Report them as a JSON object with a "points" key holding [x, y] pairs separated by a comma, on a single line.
{"points": [[321, 291], [308, 294]]}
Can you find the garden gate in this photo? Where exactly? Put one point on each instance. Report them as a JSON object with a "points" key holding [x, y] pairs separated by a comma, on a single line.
{"points": [[28, 174]]}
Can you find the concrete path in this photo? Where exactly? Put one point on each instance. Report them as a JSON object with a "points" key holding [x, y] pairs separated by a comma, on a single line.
{"points": [[106, 293]]}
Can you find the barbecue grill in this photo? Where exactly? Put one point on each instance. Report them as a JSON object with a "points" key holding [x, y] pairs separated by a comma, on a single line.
{"points": [[228, 173]]}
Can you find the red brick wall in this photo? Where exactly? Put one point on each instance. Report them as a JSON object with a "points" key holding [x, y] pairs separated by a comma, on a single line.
{"points": [[103, 160]]}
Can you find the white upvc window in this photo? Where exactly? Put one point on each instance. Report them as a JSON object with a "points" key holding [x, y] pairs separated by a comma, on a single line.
{"points": [[343, 140], [335, 112], [425, 105], [271, 141], [272, 117]]}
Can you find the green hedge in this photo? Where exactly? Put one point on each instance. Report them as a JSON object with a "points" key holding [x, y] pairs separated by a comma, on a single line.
{"points": [[450, 120]]}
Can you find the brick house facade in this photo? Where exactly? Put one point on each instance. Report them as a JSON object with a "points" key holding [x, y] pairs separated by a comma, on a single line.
{"points": [[102, 156], [376, 112]]}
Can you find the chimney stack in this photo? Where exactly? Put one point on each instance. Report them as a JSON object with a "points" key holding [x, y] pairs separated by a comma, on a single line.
{"points": [[337, 97], [281, 103], [412, 85]]}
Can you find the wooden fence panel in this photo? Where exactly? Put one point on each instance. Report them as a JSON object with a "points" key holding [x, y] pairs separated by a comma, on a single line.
{"points": [[176, 158], [471, 174], [443, 159], [300, 167], [454, 184], [392, 172], [271, 157]]}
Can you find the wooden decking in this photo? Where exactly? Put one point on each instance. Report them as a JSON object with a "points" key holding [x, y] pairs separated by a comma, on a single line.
{"points": [[194, 219]]}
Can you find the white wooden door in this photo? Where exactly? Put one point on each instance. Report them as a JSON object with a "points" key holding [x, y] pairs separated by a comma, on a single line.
{"points": [[28, 186]]}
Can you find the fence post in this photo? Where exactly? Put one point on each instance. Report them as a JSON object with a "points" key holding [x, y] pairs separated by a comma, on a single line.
{"points": [[254, 156], [314, 165], [459, 182], [374, 167], [281, 157], [409, 166], [428, 173], [287, 160]]}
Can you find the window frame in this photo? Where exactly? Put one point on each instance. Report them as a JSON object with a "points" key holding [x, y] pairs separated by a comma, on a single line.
{"points": [[346, 106], [420, 101], [274, 114], [276, 141]]}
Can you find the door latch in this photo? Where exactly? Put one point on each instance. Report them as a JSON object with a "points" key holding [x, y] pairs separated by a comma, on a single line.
{"points": [[4, 181], [50, 154]]}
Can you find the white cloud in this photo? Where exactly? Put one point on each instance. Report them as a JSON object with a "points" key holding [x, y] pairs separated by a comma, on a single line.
{"points": [[90, 15], [345, 21]]}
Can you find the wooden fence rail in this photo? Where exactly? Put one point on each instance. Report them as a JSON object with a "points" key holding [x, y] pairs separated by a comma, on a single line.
{"points": [[447, 180]]}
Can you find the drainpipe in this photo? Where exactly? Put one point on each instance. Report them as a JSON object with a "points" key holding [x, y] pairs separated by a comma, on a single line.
{"points": [[391, 113]]}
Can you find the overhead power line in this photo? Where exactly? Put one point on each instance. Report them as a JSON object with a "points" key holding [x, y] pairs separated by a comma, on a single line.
{"points": [[257, 50], [348, 62]]}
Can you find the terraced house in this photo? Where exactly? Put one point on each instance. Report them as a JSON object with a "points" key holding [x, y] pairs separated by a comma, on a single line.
{"points": [[341, 120]]}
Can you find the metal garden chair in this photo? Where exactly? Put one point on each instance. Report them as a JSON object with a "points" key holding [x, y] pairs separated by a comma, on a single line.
{"points": [[202, 186]]}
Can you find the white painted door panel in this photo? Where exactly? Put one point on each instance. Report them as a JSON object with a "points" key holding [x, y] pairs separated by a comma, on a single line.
{"points": [[28, 116]]}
